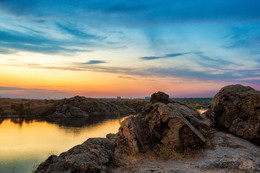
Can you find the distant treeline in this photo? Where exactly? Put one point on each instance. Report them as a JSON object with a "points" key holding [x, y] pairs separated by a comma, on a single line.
{"points": [[42, 108], [208, 99], [26, 107], [196, 103]]}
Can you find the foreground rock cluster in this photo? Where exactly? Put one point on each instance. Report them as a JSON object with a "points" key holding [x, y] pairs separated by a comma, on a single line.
{"points": [[236, 109], [167, 129], [82, 107], [230, 154], [164, 123]]}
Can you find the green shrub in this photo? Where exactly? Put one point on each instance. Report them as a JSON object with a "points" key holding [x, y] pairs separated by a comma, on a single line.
{"points": [[46, 101], [48, 111]]}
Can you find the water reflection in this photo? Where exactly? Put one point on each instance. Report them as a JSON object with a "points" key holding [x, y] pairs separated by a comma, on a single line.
{"points": [[24, 142], [68, 122], [201, 111]]}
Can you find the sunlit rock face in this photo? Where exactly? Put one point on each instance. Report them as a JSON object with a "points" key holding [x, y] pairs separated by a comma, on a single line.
{"points": [[236, 108], [163, 123]]}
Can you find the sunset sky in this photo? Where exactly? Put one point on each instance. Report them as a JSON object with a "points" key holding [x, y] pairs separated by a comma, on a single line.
{"points": [[128, 48]]}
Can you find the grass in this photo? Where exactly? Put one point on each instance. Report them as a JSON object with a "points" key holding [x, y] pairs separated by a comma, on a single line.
{"points": [[35, 165], [23, 107], [52, 153], [167, 153], [137, 105], [196, 103], [118, 114]]}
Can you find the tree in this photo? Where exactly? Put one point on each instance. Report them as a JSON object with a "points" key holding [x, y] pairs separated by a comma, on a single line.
{"points": [[21, 109]]}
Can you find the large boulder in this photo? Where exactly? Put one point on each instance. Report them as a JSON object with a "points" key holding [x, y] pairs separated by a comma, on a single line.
{"points": [[236, 108], [94, 155], [159, 97], [86, 107], [163, 124]]}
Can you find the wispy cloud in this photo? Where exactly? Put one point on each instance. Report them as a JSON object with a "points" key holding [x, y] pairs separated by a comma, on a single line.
{"points": [[211, 74], [127, 77], [244, 37], [10, 88], [150, 57], [172, 55], [166, 29], [90, 62], [31, 90], [219, 64], [72, 30], [11, 41]]}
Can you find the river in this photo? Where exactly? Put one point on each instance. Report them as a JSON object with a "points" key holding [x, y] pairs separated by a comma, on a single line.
{"points": [[26, 143]]}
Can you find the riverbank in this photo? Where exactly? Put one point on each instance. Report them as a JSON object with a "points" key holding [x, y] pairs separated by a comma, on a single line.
{"points": [[75, 107], [81, 107], [172, 131]]}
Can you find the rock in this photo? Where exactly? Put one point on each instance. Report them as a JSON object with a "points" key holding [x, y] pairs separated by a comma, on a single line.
{"points": [[88, 107], [170, 128], [68, 111], [94, 155], [236, 108], [170, 125], [229, 154], [159, 97]]}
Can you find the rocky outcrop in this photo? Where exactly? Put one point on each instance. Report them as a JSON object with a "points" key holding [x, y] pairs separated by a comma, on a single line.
{"points": [[85, 107], [231, 154], [68, 111], [170, 128], [94, 155], [236, 108], [163, 123], [228, 154]]}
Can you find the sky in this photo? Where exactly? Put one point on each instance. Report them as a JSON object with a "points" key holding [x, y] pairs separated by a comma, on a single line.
{"points": [[108, 48]]}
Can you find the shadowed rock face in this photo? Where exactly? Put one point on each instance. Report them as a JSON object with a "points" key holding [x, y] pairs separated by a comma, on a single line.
{"points": [[162, 123], [94, 155], [85, 107], [236, 108]]}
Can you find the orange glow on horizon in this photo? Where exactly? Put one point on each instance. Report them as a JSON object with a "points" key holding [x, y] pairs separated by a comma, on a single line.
{"points": [[96, 84]]}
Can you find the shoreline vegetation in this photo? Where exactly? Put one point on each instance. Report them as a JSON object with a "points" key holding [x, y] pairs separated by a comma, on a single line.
{"points": [[34, 108]]}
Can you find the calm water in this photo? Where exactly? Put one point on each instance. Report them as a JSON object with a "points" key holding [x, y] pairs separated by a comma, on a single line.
{"points": [[25, 144]]}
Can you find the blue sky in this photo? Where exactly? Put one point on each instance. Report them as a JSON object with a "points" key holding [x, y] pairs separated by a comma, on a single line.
{"points": [[179, 41]]}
